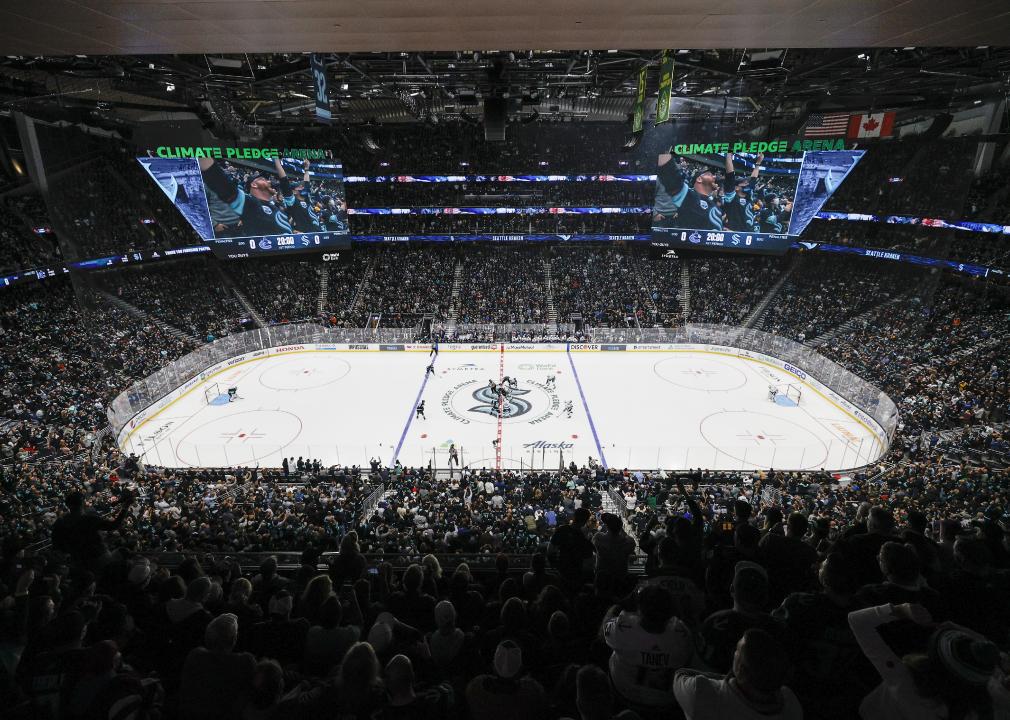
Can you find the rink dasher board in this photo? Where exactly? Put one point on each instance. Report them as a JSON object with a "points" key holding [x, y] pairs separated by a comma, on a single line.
{"points": [[811, 383]]}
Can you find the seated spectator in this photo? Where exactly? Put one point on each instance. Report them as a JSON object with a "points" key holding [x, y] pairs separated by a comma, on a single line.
{"points": [[903, 581], [411, 605], [649, 644], [447, 643], [280, 637], [216, 682], [506, 695], [754, 690], [832, 676], [328, 641], [406, 702]]}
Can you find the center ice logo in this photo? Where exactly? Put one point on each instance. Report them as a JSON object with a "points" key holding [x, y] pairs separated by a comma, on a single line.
{"points": [[512, 406]]}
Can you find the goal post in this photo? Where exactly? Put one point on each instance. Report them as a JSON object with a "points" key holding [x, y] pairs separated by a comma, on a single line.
{"points": [[211, 393], [786, 394]]}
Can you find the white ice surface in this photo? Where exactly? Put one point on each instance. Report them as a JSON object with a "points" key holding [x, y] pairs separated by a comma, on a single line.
{"points": [[670, 409]]}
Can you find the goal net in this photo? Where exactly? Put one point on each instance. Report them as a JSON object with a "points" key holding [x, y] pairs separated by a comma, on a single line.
{"points": [[788, 394], [211, 393]]}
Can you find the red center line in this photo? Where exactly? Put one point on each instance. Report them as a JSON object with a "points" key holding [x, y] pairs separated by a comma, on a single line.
{"points": [[501, 405]]}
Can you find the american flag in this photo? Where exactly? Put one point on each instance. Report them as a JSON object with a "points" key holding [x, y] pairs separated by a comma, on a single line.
{"points": [[830, 125]]}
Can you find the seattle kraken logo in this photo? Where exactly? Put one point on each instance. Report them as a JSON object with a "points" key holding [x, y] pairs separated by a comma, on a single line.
{"points": [[512, 406]]}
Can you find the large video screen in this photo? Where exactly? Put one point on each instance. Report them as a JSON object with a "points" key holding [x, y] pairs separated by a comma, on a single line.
{"points": [[747, 201], [244, 201]]}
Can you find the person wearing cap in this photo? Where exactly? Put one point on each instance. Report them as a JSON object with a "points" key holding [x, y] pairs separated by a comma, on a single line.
{"points": [[254, 204], [506, 695], [952, 679], [649, 644], [279, 636], [686, 197], [723, 629], [216, 681], [753, 691]]}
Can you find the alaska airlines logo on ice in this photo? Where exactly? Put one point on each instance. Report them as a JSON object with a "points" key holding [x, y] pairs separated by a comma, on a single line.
{"points": [[548, 445], [512, 406]]}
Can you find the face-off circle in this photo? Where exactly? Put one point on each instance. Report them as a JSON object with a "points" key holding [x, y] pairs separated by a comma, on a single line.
{"points": [[241, 438], [761, 440], [474, 402], [294, 373], [707, 375]]}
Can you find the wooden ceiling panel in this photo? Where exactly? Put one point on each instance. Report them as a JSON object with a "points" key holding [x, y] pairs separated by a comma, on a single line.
{"points": [[138, 26]]}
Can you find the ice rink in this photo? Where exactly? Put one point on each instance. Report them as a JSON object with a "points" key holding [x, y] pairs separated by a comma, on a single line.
{"points": [[668, 408]]}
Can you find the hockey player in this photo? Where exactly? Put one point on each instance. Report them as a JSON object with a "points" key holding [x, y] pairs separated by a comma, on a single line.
{"points": [[420, 411], [568, 409]]}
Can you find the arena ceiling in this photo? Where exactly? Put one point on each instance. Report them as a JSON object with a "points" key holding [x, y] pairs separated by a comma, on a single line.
{"points": [[122, 27]]}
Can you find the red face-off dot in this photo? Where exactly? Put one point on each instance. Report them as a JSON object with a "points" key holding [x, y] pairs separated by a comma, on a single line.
{"points": [[424, 435], [575, 437]]}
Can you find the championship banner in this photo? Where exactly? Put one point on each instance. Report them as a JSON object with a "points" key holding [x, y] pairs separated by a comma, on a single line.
{"points": [[322, 92], [636, 122], [665, 88]]}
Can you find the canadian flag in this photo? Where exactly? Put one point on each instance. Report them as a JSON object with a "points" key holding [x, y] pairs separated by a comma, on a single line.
{"points": [[871, 125]]}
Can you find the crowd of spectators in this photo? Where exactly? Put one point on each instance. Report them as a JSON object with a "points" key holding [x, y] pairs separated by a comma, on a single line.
{"points": [[282, 290], [66, 361], [503, 285], [760, 595], [725, 290], [452, 224], [601, 193], [940, 357], [780, 595], [824, 291], [615, 287], [21, 248], [405, 284], [189, 297]]}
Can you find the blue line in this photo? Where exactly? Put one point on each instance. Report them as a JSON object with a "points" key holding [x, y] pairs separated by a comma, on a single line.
{"points": [[410, 417], [585, 406]]}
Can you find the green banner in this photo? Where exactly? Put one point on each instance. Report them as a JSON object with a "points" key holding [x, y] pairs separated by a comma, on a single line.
{"points": [[636, 122], [665, 87]]}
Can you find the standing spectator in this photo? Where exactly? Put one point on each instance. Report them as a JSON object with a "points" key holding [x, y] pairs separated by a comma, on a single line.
{"points": [[572, 548], [613, 548], [722, 630], [789, 560]]}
